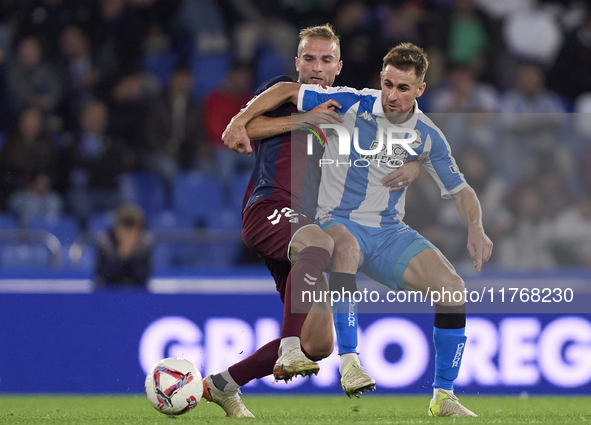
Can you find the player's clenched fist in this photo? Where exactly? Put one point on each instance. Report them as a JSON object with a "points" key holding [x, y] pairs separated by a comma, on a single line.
{"points": [[236, 138]]}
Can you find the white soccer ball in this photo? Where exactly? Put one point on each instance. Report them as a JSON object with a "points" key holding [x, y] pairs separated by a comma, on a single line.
{"points": [[174, 386]]}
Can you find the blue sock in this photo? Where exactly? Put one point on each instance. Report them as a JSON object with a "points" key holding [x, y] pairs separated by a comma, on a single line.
{"points": [[449, 349], [345, 323]]}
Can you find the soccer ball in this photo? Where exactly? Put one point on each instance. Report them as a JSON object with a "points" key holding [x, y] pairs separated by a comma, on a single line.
{"points": [[174, 386]]}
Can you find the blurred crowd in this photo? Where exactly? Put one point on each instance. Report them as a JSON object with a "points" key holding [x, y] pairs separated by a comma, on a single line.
{"points": [[93, 89]]}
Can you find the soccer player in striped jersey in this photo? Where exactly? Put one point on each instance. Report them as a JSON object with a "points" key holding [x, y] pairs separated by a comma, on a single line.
{"points": [[351, 198], [278, 225]]}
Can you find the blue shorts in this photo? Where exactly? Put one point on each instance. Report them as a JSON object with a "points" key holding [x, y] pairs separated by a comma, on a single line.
{"points": [[386, 251]]}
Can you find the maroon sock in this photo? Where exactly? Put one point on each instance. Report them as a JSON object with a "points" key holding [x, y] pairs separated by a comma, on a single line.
{"points": [[303, 277], [258, 365]]}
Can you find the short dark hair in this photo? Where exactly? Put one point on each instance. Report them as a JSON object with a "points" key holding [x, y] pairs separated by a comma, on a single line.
{"points": [[406, 56], [325, 31]]}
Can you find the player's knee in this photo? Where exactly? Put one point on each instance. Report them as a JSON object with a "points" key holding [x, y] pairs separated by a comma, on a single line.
{"points": [[322, 240], [456, 283], [347, 253], [452, 290]]}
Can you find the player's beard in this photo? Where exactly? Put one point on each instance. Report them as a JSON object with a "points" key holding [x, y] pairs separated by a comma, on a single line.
{"points": [[398, 117]]}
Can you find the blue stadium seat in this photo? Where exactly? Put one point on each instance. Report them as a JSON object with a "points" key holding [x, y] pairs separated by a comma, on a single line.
{"points": [[169, 220], [227, 219], [144, 189], [163, 257], [161, 65], [211, 71], [24, 256], [101, 221], [195, 254], [239, 185], [65, 229], [268, 64], [198, 196], [224, 253], [8, 221], [87, 260], [181, 255]]}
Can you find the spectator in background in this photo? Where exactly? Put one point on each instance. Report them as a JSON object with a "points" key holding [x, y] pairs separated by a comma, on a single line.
{"points": [[556, 194], [573, 233], [267, 40], [125, 251], [97, 160], [465, 106], [571, 74], [528, 243], [45, 19], [401, 23], [219, 108], [27, 152], [174, 127], [202, 25], [116, 34], [32, 82], [79, 72], [128, 107], [464, 36], [357, 44], [463, 93], [532, 117], [531, 96], [38, 200], [533, 34]]}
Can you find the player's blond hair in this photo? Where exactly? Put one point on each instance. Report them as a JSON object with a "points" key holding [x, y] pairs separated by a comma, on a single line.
{"points": [[406, 56], [325, 31]]}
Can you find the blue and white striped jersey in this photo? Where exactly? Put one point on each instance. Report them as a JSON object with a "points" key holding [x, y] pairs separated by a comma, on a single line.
{"points": [[351, 186]]}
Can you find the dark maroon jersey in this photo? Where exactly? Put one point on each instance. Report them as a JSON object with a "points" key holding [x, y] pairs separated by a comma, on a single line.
{"points": [[283, 171]]}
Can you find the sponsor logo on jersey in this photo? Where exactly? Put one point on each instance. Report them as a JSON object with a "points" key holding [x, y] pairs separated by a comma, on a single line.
{"points": [[287, 212], [325, 219], [417, 142], [366, 116]]}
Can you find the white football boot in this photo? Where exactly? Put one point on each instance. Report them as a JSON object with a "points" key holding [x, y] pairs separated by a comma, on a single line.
{"points": [[356, 381], [230, 401], [445, 403], [292, 363]]}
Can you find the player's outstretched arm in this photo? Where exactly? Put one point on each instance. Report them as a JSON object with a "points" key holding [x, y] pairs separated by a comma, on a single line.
{"points": [[263, 127], [235, 136], [479, 244]]}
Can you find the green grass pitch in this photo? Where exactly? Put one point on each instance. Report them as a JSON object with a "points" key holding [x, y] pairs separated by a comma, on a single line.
{"points": [[333, 410]]}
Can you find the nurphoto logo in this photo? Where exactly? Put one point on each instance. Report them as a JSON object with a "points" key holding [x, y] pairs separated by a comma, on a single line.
{"points": [[391, 142]]}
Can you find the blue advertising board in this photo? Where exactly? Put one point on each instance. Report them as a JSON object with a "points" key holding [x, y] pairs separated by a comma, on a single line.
{"points": [[106, 341]]}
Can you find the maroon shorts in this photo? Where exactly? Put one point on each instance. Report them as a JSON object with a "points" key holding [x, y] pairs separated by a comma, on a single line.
{"points": [[267, 228]]}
